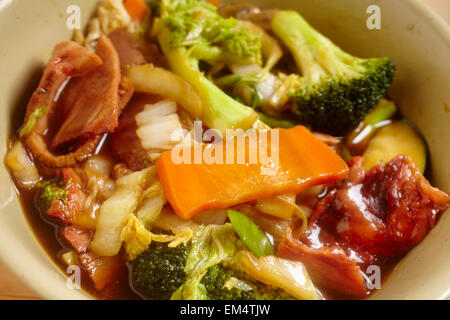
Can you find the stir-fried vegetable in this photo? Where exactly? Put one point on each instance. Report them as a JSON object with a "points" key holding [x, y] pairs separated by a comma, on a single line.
{"points": [[254, 83], [69, 258], [152, 204], [159, 128], [283, 207], [112, 15], [337, 90], [270, 48], [250, 233], [207, 268], [276, 122], [206, 221], [193, 31], [169, 221], [358, 139], [147, 78], [51, 191], [288, 275], [22, 168], [115, 211], [210, 246], [159, 271], [137, 9], [304, 161], [398, 138], [99, 187], [137, 238], [34, 116]]}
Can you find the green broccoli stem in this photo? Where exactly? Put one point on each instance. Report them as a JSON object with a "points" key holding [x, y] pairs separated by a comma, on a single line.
{"points": [[315, 55], [220, 111]]}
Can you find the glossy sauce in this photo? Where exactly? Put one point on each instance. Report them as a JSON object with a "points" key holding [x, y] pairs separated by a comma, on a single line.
{"points": [[46, 231]]}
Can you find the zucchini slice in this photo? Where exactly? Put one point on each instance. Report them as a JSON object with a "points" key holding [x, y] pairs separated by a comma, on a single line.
{"points": [[398, 138]]}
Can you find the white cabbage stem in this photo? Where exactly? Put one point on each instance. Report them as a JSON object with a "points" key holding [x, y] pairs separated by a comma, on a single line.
{"points": [[22, 167]]}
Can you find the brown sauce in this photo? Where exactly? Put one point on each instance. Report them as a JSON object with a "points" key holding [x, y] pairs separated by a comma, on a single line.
{"points": [[46, 232]]}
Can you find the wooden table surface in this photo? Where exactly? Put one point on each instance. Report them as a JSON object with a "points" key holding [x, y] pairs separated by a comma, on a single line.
{"points": [[12, 288]]}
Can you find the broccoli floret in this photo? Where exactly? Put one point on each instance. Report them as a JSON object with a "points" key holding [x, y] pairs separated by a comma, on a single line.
{"points": [[214, 282], [217, 277], [337, 90], [162, 272], [191, 32], [51, 191], [159, 271]]}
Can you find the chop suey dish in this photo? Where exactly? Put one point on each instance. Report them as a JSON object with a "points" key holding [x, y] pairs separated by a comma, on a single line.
{"points": [[93, 159]]}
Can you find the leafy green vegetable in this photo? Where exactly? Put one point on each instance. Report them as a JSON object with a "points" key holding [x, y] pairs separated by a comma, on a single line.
{"points": [[192, 32], [34, 116], [210, 245], [253, 237], [205, 268], [337, 90], [198, 23]]}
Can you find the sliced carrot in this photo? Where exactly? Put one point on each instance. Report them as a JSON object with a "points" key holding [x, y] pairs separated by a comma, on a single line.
{"points": [[137, 9], [215, 2], [304, 161]]}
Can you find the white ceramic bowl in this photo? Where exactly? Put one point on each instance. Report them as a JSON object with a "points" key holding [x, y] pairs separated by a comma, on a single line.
{"points": [[414, 37]]}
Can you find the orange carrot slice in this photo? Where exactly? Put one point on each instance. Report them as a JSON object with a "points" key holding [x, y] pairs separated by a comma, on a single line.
{"points": [[304, 161], [214, 2], [136, 9]]}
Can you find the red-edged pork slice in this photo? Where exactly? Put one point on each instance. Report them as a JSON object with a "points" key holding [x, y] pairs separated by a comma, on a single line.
{"points": [[68, 60], [385, 211], [128, 52], [77, 238], [126, 91], [368, 218], [91, 102], [68, 211], [126, 145], [103, 271], [328, 266]]}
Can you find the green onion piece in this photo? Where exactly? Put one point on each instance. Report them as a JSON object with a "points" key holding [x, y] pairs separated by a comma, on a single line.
{"points": [[359, 138], [274, 122], [252, 236]]}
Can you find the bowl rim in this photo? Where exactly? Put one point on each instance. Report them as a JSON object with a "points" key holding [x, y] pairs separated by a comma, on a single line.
{"points": [[440, 26]]}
